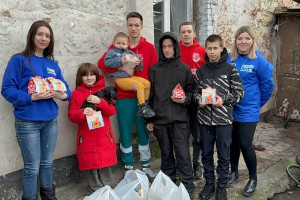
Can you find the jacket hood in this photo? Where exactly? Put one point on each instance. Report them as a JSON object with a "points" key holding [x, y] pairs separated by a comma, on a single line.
{"points": [[97, 85], [195, 44], [223, 57], [161, 56]]}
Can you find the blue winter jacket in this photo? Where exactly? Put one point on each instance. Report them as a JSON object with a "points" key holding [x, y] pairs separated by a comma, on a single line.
{"points": [[15, 87], [257, 78], [113, 59]]}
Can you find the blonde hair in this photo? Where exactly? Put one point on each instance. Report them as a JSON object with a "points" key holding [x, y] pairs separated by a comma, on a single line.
{"points": [[234, 50]]}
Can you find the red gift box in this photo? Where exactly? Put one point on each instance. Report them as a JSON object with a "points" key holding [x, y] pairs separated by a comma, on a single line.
{"points": [[37, 84], [178, 92]]}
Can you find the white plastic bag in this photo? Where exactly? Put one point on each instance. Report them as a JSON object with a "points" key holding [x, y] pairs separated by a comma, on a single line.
{"points": [[134, 186], [163, 188], [104, 193]]}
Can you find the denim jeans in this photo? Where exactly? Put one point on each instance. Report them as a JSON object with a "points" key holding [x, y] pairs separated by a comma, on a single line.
{"points": [[37, 141]]}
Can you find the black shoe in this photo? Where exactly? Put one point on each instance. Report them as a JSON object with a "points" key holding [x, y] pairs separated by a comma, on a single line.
{"points": [[232, 179], [145, 111], [250, 187], [198, 172], [207, 191], [48, 193], [221, 193]]}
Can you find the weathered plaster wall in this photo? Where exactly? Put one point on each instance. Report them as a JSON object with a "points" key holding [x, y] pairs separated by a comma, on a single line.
{"points": [[83, 30], [224, 17]]}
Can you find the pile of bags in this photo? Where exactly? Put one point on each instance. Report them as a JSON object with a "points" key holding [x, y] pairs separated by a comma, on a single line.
{"points": [[135, 186]]}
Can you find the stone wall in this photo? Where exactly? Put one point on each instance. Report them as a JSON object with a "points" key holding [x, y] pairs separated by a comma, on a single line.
{"points": [[83, 31]]}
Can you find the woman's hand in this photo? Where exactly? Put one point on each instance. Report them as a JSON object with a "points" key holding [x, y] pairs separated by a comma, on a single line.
{"points": [[93, 99], [59, 95], [88, 111], [42, 95]]}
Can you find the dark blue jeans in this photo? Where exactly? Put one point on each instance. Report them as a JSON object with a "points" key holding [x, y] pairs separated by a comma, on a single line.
{"points": [[221, 135], [37, 141]]}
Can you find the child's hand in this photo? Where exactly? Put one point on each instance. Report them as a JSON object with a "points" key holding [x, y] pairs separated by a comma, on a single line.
{"points": [[200, 103], [219, 101], [150, 127], [88, 111], [124, 61], [93, 99], [181, 101]]}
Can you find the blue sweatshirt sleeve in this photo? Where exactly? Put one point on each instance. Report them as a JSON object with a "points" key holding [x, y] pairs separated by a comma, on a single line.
{"points": [[112, 59], [265, 77], [11, 90]]}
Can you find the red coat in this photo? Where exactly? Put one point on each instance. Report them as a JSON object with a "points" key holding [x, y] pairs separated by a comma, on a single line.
{"points": [[96, 148], [146, 52]]}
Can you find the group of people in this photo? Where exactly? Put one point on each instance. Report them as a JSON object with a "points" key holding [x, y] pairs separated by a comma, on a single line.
{"points": [[242, 81]]}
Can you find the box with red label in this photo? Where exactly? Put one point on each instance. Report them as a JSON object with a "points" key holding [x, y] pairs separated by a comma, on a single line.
{"points": [[209, 96], [178, 92], [56, 84], [37, 84]]}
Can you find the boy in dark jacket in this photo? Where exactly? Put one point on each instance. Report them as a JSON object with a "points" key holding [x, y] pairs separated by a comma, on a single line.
{"points": [[170, 125], [216, 119]]}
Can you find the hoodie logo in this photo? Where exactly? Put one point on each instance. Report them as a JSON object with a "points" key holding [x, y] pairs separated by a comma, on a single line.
{"points": [[196, 57], [51, 71], [247, 68], [140, 56], [233, 64]]}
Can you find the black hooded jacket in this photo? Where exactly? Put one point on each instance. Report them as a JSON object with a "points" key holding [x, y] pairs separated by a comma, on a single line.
{"points": [[226, 79], [164, 76]]}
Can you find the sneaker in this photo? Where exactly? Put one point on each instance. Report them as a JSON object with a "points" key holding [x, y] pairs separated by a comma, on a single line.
{"points": [[207, 191], [145, 111], [198, 172], [128, 167], [150, 174], [232, 179], [221, 193]]}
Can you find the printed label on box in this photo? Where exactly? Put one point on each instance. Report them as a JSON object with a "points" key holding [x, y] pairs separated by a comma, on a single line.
{"points": [[95, 120], [209, 96]]}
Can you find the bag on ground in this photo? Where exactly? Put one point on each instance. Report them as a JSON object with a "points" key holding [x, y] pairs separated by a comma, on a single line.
{"points": [[163, 188], [134, 186], [104, 193]]}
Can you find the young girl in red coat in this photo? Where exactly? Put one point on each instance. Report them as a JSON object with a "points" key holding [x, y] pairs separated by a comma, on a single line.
{"points": [[96, 148]]}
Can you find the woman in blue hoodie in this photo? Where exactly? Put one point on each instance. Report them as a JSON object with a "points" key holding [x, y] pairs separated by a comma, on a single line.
{"points": [[35, 114], [256, 73]]}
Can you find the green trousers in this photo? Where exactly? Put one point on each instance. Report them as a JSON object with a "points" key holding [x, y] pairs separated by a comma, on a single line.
{"points": [[127, 117]]}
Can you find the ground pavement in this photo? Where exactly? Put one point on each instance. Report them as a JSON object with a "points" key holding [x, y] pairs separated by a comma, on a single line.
{"points": [[281, 151]]}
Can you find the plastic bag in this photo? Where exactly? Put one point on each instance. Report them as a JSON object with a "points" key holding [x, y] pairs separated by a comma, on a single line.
{"points": [[104, 193], [134, 186], [163, 188]]}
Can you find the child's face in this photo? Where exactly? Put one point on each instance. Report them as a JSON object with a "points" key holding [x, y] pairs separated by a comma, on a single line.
{"points": [[213, 51], [121, 43], [168, 48], [89, 79]]}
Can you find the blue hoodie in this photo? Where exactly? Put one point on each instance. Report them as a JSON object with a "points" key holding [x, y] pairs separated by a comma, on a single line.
{"points": [[15, 87], [257, 78]]}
